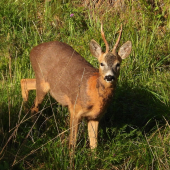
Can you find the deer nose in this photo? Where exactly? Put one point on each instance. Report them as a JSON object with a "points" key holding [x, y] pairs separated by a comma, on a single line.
{"points": [[109, 78]]}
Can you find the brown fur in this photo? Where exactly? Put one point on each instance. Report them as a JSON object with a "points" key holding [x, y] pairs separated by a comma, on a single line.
{"points": [[26, 86], [75, 83], [102, 92]]}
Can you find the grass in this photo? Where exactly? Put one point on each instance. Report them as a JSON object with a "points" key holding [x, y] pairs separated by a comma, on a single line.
{"points": [[134, 133]]}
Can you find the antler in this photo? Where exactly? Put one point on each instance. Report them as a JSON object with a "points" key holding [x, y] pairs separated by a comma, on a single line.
{"points": [[117, 42], [104, 39]]}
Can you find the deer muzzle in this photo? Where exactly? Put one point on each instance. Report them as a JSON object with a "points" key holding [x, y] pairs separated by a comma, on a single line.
{"points": [[109, 78]]}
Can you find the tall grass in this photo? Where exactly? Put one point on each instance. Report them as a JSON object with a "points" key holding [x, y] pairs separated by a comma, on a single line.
{"points": [[134, 133]]}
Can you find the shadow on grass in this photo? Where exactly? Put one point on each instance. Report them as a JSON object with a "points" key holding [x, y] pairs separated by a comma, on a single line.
{"points": [[131, 107], [136, 108], [27, 137]]}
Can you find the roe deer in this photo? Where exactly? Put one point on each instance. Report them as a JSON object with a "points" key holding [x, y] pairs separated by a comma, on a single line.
{"points": [[74, 82]]}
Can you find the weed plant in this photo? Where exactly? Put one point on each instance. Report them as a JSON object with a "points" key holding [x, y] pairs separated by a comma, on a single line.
{"points": [[134, 133]]}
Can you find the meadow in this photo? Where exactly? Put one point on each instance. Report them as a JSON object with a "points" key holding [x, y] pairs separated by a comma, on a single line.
{"points": [[135, 131]]}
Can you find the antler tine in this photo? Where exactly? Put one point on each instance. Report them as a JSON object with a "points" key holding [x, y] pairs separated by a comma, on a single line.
{"points": [[117, 42], [104, 39]]}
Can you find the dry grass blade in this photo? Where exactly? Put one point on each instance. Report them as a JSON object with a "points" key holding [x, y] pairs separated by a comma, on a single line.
{"points": [[164, 148], [33, 151]]}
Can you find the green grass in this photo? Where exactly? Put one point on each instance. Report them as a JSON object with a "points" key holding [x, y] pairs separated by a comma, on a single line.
{"points": [[134, 133]]}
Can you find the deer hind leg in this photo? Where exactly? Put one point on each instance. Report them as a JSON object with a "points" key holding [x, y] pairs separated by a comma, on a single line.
{"points": [[93, 132], [26, 86], [42, 88]]}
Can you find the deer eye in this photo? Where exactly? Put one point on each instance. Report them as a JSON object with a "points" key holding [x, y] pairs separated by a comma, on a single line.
{"points": [[101, 64], [118, 65]]}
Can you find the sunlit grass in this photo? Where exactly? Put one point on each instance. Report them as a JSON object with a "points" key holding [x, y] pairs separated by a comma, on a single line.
{"points": [[134, 133]]}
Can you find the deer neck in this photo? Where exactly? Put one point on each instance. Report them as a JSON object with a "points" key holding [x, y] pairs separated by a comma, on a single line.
{"points": [[100, 87]]}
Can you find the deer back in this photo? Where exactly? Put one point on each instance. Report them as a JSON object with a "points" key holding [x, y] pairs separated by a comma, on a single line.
{"points": [[65, 71]]}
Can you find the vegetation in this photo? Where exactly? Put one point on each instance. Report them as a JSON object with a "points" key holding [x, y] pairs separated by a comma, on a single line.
{"points": [[135, 131]]}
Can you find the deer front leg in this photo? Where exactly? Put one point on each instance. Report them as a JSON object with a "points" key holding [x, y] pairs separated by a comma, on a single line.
{"points": [[93, 132], [73, 130], [74, 122], [73, 137]]}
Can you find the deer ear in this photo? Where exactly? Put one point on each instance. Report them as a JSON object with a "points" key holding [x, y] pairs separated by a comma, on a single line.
{"points": [[125, 50], [95, 48]]}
